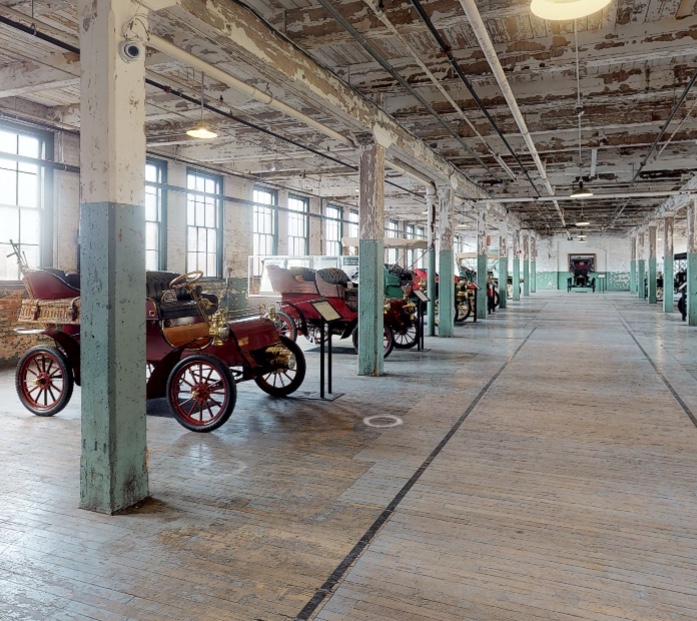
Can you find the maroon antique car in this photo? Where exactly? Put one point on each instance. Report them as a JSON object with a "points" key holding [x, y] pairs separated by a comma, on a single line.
{"points": [[300, 287], [194, 354]]}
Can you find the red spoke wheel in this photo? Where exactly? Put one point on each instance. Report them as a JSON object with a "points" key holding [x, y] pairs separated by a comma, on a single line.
{"points": [[44, 380], [387, 340], [201, 392], [288, 371]]}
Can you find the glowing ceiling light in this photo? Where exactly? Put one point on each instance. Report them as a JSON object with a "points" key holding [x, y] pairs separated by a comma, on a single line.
{"points": [[201, 131], [558, 10]]}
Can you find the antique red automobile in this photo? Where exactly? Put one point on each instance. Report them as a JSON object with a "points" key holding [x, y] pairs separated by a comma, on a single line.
{"points": [[300, 287], [194, 354]]}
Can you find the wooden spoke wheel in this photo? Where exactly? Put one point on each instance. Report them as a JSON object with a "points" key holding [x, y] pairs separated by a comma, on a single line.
{"points": [[44, 380], [288, 370], [407, 336], [286, 326], [388, 341], [201, 392]]}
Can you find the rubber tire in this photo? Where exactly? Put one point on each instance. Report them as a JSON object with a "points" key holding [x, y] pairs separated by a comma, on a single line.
{"points": [[497, 299], [387, 335], [461, 314], [230, 387], [407, 344], [67, 373], [288, 327], [295, 383]]}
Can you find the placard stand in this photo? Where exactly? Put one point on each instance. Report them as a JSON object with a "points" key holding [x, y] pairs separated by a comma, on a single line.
{"points": [[328, 314], [423, 299]]}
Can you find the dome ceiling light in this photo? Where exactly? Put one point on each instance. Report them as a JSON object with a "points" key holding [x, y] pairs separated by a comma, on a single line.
{"points": [[559, 10], [201, 130]]}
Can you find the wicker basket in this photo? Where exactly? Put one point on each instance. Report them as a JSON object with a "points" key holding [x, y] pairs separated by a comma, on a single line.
{"points": [[64, 311]]}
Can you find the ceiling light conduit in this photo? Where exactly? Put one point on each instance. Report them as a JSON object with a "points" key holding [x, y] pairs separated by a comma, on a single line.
{"points": [[163, 45], [480, 31], [362, 41], [447, 51], [377, 9]]}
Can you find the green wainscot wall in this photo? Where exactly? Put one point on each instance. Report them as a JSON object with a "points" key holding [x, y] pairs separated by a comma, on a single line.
{"points": [[614, 281]]}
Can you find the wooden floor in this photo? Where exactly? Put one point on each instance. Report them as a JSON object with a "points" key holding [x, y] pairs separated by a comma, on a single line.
{"points": [[545, 469]]}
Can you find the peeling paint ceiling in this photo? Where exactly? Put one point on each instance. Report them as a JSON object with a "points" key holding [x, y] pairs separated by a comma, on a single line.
{"points": [[595, 118]]}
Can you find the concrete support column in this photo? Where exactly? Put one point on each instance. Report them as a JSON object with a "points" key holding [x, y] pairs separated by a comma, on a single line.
{"points": [[526, 264], [641, 267], [503, 263], [431, 284], [481, 265], [113, 472], [692, 262], [371, 250], [533, 264], [652, 276], [516, 266], [632, 265], [446, 262], [668, 264]]}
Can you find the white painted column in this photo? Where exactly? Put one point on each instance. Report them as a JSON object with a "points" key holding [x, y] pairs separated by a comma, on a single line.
{"points": [[482, 250], [516, 265], [692, 262], [431, 272], [113, 471], [641, 266], [668, 264], [371, 253], [651, 280], [526, 263], [633, 264], [446, 262], [503, 263]]}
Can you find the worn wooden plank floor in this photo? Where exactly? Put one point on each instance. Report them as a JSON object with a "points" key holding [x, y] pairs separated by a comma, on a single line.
{"points": [[565, 490]]}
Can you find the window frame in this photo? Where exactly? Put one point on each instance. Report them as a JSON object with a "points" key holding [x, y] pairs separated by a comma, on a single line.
{"points": [[273, 212], [218, 198], [161, 199], [304, 217], [337, 222], [45, 202]]}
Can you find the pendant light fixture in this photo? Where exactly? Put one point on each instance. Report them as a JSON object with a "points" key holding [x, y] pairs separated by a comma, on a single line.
{"points": [[201, 130], [559, 10], [581, 192], [582, 221]]}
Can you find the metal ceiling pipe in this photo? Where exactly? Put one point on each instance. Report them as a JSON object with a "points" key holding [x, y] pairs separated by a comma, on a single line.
{"points": [[480, 31], [595, 197], [377, 9], [166, 47], [362, 41]]}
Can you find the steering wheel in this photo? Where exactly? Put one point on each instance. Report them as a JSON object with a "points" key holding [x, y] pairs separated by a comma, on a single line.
{"points": [[186, 279]]}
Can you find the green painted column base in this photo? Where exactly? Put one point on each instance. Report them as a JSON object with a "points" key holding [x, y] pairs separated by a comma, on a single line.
{"points": [[533, 277], [481, 283], [632, 277], [692, 288], [516, 280], [652, 281], [371, 275], [113, 470], [503, 279], [431, 291], [526, 278], [668, 293], [446, 293], [641, 273]]}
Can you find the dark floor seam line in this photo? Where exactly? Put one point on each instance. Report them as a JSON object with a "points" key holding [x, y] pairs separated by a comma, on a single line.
{"points": [[675, 394], [367, 537]]}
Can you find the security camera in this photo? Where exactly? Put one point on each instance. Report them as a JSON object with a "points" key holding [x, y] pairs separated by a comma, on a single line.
{"points": [[131, 50]]}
